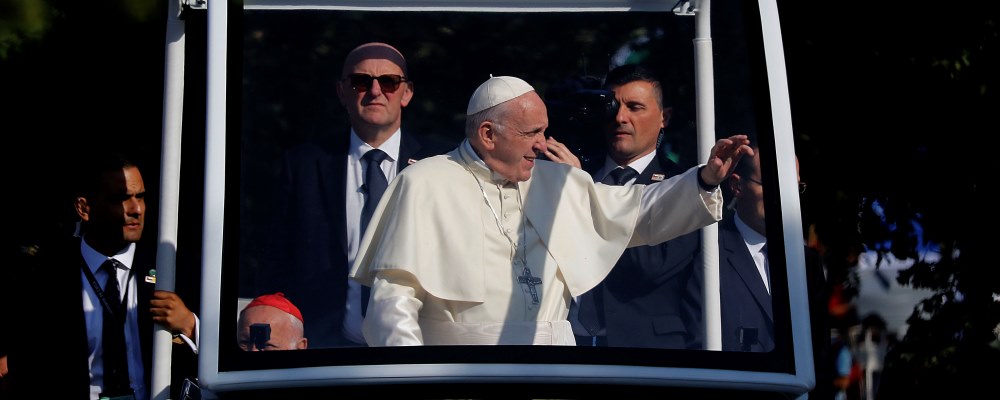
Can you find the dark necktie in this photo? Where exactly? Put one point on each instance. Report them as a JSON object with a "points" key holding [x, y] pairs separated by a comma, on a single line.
{"points": [[116, 379], [619, 176], [375, 184], [592, 302]]}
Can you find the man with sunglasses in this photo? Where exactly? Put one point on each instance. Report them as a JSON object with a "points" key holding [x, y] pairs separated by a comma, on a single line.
{"points": [[325, 188]]}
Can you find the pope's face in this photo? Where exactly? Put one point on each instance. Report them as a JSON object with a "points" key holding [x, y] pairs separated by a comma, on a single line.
{"points": [[519, 138]]}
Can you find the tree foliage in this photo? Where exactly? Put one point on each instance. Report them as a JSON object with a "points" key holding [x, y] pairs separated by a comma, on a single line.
{"points": [[890, 102], [22, 21]]}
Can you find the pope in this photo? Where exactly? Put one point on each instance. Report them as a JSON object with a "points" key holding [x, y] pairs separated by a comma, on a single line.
{"points": [[488, 244]]}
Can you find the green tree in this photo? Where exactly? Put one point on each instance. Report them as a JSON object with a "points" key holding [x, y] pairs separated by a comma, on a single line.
{"points": [[893, 100]]}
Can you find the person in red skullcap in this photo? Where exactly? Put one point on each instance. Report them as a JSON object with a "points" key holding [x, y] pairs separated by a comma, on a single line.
{"points": [[271, 322]]}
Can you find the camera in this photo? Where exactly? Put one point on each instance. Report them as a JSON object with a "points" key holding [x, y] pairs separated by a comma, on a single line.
{"points": [[579, 112]]}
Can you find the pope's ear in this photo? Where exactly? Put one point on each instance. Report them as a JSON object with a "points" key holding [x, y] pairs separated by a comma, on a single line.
{"points": [[487, 134], [82, 208]]}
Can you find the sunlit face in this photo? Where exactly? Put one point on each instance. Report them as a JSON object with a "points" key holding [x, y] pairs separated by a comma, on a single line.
{"points": [[638, 122], [750, 197], [116, 215], [374, 109], [286, 331], [513, 144]]}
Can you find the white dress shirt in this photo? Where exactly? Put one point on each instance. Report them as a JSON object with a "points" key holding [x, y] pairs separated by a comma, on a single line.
{"points": [[355, 202], [94, 316], [755, 241]]}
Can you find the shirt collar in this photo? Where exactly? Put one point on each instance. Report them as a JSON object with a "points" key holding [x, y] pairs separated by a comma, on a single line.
{"points": [[753, 238], [638, 165], [358, 147], [95, 259]]}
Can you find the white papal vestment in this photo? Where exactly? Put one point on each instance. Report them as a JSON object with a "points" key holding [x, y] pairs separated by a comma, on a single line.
{"points": [[441, 268]]}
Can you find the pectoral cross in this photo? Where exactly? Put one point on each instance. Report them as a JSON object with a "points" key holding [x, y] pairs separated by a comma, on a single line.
{"points": [[531, 281]]}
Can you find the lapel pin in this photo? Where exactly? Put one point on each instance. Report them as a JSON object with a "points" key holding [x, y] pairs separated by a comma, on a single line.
{"points": [[410, 161], [151, 276], [658, 177]]}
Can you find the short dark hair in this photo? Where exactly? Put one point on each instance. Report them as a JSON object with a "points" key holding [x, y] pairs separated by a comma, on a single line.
{"points": [[745, 167], [636, 72], [92, 169]]}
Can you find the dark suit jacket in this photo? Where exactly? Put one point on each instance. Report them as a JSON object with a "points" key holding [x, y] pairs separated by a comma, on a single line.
{"points": [[307, 250], [49, 353], [652, 297], [744, 300]]}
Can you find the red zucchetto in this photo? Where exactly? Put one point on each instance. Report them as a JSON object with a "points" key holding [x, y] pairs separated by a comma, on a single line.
{"points": [[277, 300]]}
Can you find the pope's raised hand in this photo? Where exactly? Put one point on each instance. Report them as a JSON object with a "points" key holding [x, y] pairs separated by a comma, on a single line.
{"points": [[723, 158]]}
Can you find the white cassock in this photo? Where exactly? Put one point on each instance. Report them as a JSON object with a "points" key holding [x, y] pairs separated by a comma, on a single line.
{"points": [[438, 253]]}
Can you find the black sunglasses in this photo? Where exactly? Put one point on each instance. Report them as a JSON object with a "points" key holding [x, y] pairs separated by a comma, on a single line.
{"points": [[363, 82]]}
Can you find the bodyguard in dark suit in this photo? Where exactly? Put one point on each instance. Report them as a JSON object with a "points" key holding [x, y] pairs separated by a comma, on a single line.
{"points": [[747, 312], [325, 191], [744, 275], [747, 316], [652, 297], [81, 316]]}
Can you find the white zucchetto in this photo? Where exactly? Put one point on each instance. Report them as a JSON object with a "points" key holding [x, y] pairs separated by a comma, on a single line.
{"points": [[496, 90]]}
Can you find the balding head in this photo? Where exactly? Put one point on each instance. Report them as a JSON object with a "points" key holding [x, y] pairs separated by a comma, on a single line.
{"points": [[373, 51]]}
